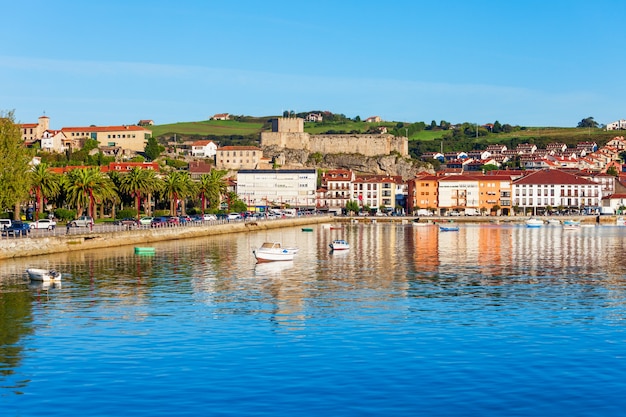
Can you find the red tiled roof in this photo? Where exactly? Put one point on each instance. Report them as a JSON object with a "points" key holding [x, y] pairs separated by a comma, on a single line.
{"points": [[238, 148], [104, 128], [552, 176]]}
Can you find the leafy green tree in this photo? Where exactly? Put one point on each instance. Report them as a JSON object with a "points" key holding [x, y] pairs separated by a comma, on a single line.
{"points": [[612, 171], [45, 184], [14, 158], [153, 149], [588, 122], [497, 127], [352, 206]]}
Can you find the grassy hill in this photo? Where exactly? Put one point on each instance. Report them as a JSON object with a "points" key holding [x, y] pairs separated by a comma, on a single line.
{"points": [[250, 128]]}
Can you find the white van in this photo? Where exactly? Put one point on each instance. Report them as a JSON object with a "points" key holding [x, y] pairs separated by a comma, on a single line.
{"points": [[5, 223]]}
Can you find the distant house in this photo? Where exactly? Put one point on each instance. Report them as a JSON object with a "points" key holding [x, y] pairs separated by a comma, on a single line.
{"points": [[145, 122], [203, 148], [373, 119], [199, 168], [314, 117], [618, 125], [221, 116]]}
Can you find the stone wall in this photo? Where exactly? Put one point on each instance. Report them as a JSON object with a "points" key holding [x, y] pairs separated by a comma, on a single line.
{"points": [[368, 145], [37, 246]]}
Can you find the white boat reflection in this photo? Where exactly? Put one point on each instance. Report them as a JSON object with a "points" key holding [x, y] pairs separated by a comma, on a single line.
{"points": [[44, 285], [272, 268]]}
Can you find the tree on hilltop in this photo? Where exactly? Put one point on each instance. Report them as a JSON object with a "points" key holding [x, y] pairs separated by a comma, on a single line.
{"points": [[588, 122]]}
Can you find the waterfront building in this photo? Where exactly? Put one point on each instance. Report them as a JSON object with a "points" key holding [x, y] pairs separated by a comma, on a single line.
{"points": [[262, 188], [379, 192], [336, 186], [539, 190]]}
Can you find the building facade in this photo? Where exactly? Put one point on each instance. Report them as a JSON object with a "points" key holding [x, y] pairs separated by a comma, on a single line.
{"points": [[128, 137], [266, 188], [238, 157]]}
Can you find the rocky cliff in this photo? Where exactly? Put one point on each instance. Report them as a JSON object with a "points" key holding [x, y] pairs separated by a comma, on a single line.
{"points": [[393, 164]]}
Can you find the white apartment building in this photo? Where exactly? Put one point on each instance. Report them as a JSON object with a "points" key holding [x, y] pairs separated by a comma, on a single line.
{"points": [[260, 188], [555, 188], [618, 125]]}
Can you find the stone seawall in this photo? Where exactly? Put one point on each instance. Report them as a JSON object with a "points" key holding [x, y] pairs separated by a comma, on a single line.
{"points": [[27, 246]]}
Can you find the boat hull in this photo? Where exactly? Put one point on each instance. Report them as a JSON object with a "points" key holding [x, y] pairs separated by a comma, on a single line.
{"points": [[268, 256], [43, 275]]}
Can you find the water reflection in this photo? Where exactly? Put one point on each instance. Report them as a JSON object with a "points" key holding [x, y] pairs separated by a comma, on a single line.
{"points": [[387, 266]]}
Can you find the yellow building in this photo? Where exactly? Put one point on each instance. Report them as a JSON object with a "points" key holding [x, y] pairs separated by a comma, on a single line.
{"points": [[238, 157], [128, 137]]}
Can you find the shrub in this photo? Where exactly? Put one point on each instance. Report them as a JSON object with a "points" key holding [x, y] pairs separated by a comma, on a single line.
{"points": [[64, 214], [122, 214]]}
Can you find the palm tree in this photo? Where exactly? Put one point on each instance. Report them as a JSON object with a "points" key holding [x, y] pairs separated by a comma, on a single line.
{"points": [[135, 183], [216, 188], [45, 184], [86, 186], [177, 185]]}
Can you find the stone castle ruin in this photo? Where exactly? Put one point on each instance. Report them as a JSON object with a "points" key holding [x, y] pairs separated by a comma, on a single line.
{"points": [[288, 132]]}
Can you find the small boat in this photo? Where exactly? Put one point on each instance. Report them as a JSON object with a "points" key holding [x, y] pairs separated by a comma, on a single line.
{"points": [[534, 222], [571, 225], [44, 275], [449, 228], [554, 222], [139, 250], [339, 244], [307, 229], [336, 227], [274, 251], [620, 221]]}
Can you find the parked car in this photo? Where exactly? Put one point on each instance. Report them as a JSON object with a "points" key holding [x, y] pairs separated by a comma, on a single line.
{"points": [[146, 221], [172, 220], [126, 221], [184, 219], [82, 221], [233, 216], [43, 224], [209, 217], [158, 222], [5, 223], [17, 229], [198, 218]]}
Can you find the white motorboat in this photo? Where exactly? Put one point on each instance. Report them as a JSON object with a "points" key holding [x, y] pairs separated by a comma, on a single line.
{"points": [[534, 222], [274, 251], [339, 244], [44, 275]]}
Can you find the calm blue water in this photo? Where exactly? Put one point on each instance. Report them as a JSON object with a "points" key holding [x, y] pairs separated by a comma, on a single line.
{"points": [[487, 321]]}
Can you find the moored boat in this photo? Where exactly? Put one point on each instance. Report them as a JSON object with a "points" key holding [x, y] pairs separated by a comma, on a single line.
{"points": [[274, 251], [45, 275], [449, 228], [571, 225], [534, 222], [339, 244]]}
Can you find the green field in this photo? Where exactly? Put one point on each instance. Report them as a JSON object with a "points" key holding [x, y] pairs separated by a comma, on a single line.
{"points": [[253, 126], [208, 128]]}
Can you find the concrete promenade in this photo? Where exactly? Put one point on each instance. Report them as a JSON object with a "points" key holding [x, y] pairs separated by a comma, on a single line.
{"points": [[85, 239]]}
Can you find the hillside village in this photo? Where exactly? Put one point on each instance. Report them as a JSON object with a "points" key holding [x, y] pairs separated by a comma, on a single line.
{"points": [[290, 168]]}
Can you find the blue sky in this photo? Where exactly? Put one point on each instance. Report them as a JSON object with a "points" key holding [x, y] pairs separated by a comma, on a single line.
{"points": [[529, 63]]}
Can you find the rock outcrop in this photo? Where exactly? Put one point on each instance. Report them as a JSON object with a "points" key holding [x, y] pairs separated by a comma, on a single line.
{"points": [[393, 164]]}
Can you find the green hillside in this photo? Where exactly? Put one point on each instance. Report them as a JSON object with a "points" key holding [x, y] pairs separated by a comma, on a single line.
{"points": [[248, 129]]}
